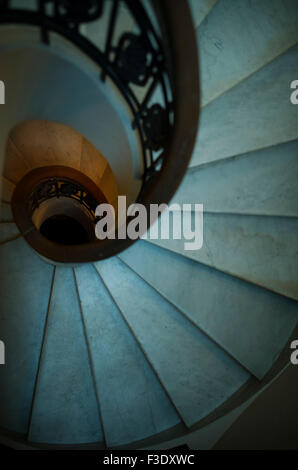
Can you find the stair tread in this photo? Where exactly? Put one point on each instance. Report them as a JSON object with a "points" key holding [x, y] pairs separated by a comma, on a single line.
{"points": [[190, 327], [200, 10], [261, 250], [237, 38], [65, 409], [8, 231], [197, 374], [255, 114], [5, 212], [133, 404], [250, 323], [25, 283], [262, 182]]}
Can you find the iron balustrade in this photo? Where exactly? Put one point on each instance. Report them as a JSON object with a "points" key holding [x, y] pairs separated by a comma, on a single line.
{"points": [[133, 59], [161, 58], [62, 187]]}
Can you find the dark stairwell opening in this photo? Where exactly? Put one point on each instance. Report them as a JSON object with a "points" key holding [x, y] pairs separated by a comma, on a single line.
{"points": [[64, 230]]}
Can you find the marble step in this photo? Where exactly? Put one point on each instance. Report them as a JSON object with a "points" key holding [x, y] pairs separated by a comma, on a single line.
{"points": [[200, 10], [133, 404], [260, 250], [25, 286], [262, 182], [227, 309], [238, 38], [197, 374], [255, 114], [8, 232], [5, 212], [65, 409]]}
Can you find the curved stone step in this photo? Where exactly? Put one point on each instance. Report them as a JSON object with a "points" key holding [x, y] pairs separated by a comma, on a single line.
{"points": [[238, 38], [261, 250], [250, 323], [133, 404], [197, 374], [5, 212], [263, 182], [8, 232], [200, 9], [25, 285], [65, 409], [255, 114]]}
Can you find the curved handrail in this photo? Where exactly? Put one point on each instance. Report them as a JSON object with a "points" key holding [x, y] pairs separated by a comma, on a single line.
{"points": [[181, 63], [132, 50]]}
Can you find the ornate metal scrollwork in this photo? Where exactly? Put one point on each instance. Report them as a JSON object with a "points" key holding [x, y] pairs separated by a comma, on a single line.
{"points": [[62, 187], [133, 59], [77, 11], [130, 59], [45, 191], [156, 125]]}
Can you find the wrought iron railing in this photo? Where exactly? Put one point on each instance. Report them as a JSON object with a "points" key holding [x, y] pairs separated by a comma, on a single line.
{"points": [[131, 59], [62, 187], [162, 57]]}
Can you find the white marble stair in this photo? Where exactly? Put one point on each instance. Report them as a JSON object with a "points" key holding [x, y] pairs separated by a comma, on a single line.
{"points": [[121, 351], [65, 408], [5, 212], [255, 114], [197, 374], [238, 38], [250, 323], [133, 404], [8, 232], [200, 9], [25, 285], [257, 183], [259, 249]]}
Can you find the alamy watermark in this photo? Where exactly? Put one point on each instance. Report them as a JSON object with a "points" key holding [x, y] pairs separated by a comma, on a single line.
{"points": [[2, 353], [294, 94], [294, 355], [2, 92], [177, 222]]}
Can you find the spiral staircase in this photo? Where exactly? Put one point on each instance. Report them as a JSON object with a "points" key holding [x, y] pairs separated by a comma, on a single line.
{"points": [[155, 344]]}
